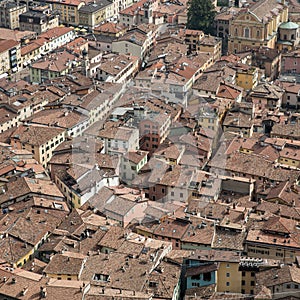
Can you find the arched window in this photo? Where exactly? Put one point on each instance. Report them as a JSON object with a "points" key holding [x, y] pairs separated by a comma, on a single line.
{"points": [[258, 33], [292, 37], [236, 32], [246, 32]]}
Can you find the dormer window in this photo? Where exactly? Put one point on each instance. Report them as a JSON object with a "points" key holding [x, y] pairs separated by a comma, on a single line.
{"points": [[101, 277]]}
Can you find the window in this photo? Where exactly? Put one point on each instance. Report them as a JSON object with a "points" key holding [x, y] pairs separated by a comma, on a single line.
{"points": [[172, 193], [101, 277], [246, 32], [153, 284], [196, 277], [227, 283], [288, 286], [207, 276], [227, 274], [252, 283], [181, 195], [243, 282]]}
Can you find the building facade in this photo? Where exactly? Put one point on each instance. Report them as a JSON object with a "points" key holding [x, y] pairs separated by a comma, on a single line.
{"points": [[38, 21], [10, 56], [257, 26], [9, 14]]}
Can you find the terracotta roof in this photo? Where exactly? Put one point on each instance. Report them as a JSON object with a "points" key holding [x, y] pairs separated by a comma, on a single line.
{"points": [[266, 9], [135, 37], [57, 62], [16, 35], [115, 64], [113, 238], [67, 263], [63, 118], [134, 8], [7, 44], [109, 27], [278, 276], [207, 268], [229, 92], [279, 209], [56, 32], [254, 165], [29, 48], [136, 156], [35, 135], [229, 240], [23, 186], [118, 206]]}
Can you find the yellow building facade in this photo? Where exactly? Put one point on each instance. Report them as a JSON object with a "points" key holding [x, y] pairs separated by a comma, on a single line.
{"points": [[247, 78], [68, 10], [257, 27], [229, 277]]}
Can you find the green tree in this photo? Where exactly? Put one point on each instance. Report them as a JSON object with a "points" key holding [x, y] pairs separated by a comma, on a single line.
{"points": [[200, 16]]}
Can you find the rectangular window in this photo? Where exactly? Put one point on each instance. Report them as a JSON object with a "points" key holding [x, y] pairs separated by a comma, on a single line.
{"points": [[207, 276]]}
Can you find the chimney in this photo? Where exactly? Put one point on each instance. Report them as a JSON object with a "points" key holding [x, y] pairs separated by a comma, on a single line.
{"points": [[24, 291], [43, 292]]}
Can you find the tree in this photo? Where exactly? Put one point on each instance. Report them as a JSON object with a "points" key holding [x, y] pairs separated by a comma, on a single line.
{"points": [[200, 16]]}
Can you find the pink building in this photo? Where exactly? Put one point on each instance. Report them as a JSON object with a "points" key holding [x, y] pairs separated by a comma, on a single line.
{"points": [[290, 63]]}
